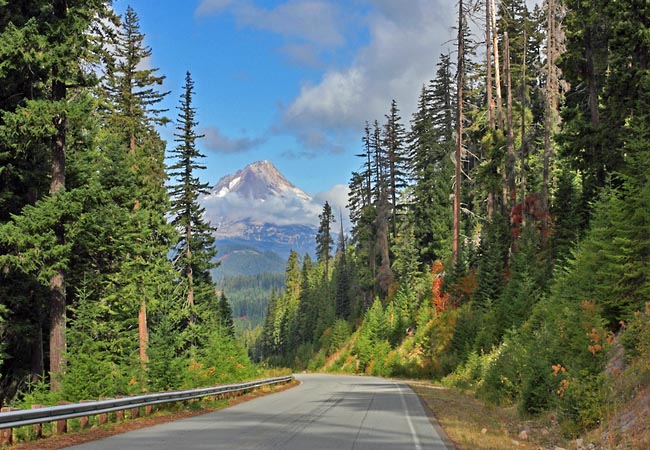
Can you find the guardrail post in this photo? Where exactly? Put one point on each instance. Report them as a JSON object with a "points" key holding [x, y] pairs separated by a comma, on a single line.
{"points": [[119, 415], [102, 418], [83, 420], [38, 428], [135, 412], [148, 410], [62, 425], [7, 434]]}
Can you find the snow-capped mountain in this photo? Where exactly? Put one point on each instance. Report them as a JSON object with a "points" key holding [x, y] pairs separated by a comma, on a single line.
{"points": [[259, 181], [258, 208]]}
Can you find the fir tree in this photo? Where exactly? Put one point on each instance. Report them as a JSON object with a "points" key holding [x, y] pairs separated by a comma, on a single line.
{"points": [[225, 314], [394, 149], [194, 253], [324, 242]]}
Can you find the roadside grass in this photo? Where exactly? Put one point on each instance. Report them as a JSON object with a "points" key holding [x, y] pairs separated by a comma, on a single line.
{"points": [[473, 425]]}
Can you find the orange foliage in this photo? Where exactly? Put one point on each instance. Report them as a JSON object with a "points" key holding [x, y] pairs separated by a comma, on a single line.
{"points": [[440, 299], [559, 369], [599, 338]]}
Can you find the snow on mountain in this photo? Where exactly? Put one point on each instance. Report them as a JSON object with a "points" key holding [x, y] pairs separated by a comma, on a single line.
{"points": [[259, 207], [259, 194]]}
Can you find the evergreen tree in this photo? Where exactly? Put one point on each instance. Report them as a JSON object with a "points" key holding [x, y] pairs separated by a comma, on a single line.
{"points": [[131, 114], [37, 105], [225, 314], [194, 252], [431, 141], [585, 143], [324, 242], [394, 148], [342, 279], [132, 89]]}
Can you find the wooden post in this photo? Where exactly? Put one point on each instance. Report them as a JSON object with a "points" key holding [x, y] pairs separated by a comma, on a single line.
{"points": [[148, 410], [83, 421], [102, 418], [62, 425], [38, 428], [119, 415], [7, 434], [135, 412]]}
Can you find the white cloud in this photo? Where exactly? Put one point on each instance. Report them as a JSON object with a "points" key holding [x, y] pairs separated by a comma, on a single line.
{"points": [[301, 54], [404, 46], [337, 197], [332, 102], [310, 20], [277, 210], [209, 7], [314, 21], [216, 141]]}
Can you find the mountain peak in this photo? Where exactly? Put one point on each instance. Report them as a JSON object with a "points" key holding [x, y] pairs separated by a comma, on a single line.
{"points": [[259, 180]]}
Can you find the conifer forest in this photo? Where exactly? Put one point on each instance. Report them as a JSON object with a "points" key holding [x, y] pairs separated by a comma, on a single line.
{"points": [[499, 237]]}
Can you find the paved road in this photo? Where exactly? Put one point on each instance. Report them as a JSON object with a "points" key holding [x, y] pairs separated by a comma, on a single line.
{"points": [[324, 412]]}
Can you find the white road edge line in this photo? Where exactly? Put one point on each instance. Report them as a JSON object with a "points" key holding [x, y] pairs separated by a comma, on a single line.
{"points": [[416, 441]]}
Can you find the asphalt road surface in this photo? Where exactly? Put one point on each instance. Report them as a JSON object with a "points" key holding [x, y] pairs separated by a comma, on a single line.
{"points": [[324, 412]]}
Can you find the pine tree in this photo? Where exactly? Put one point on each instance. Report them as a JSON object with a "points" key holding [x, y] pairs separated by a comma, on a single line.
{"points": [[194, 253], [131, 113], [585, 144], [132, 89], [431, 144], [225, 313], [342, 278], [324, 242], [394, 148]]}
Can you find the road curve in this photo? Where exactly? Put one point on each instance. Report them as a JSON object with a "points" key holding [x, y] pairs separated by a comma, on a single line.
{"points": [[324, 412]]}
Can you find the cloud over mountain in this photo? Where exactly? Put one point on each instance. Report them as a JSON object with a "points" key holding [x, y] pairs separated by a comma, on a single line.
{"points": [[260, 194]]}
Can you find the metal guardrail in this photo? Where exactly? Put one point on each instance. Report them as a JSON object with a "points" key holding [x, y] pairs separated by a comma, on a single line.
{"points": [[21, 418]]}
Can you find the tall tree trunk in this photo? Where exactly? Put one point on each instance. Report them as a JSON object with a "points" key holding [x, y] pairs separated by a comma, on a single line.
{"points": [[57, 281], [190, 275], [524, 144], [455, 247], [510, 162], [489, 85], [551, 107], [488, 65], [497, 72], [143, 332]]}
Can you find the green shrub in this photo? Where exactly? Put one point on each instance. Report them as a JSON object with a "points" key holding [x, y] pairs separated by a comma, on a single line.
{"points": [[502, 379], [381, 362], [341, 332], [583, 401], [317, 361]]}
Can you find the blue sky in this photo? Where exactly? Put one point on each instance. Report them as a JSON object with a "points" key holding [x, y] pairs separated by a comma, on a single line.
{"points": [[293, 81]]}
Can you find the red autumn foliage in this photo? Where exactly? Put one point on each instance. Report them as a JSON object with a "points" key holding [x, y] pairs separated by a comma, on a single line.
{"points": [[440, 300], [531, 208]]}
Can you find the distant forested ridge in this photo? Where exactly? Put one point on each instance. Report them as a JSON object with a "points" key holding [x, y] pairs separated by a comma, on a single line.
{"points": [[249, 294]]}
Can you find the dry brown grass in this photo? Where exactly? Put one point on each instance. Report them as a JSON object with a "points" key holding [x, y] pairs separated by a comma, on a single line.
{"points": [[473, 425]]}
